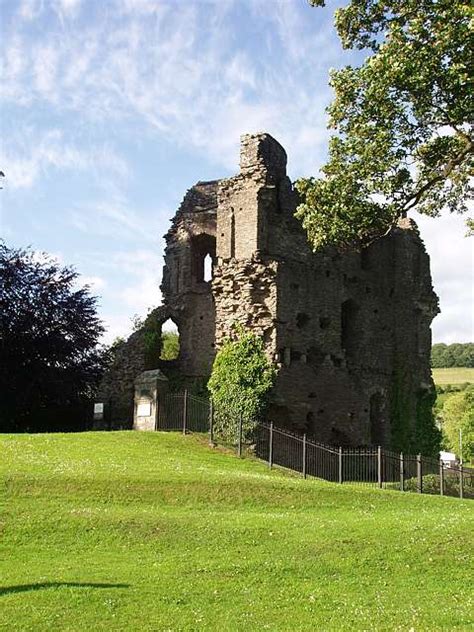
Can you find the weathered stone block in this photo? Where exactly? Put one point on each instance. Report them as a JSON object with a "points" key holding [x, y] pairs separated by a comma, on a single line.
{"points": [[150, 388]]}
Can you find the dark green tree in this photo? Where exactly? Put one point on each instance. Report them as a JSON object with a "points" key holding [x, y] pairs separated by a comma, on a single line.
{"points": [[455, 355], [50, 357], [437, 355], [402, 121]]}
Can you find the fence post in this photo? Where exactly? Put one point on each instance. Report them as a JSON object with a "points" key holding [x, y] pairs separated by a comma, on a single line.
{"points": [[340, 464], [304, 455], [239, 444], [461, 480], [211, 423], [419, 473], [185, 411], [402, 473], [379, 466], [441, 478], [270, 447]]}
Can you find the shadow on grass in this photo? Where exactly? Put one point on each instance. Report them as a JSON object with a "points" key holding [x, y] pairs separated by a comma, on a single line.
{"points": [[7, 590]]}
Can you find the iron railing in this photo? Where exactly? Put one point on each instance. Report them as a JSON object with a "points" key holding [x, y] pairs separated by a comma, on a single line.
{"points": [[369, 466]]}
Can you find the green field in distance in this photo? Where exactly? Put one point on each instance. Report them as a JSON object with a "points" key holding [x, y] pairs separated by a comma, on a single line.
{"points": [[453, 376]]}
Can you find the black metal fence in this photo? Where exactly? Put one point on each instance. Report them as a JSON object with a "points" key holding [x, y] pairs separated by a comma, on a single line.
{"points": [[370, 466]]}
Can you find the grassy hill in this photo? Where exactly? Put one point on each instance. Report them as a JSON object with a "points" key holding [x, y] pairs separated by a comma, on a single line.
{"points": [[136, 531], [454, 376]]}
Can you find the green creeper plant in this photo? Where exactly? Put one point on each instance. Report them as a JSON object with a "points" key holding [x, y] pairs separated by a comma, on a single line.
{"points": [[402, 121], [240, 382]]}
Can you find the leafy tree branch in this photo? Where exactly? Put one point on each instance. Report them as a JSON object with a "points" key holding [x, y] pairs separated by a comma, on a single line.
{"points": [[402, 121]]}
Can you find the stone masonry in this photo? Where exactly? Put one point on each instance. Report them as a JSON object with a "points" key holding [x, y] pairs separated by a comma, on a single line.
{"points": [[349, 332]]}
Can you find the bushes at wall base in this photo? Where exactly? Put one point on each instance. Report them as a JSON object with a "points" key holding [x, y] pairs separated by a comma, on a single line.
{"points": [[431, 484], [241, 380]]}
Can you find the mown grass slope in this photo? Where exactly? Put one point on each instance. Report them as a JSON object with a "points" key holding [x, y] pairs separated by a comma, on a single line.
{"points": [[136, 531], [454, 376]]}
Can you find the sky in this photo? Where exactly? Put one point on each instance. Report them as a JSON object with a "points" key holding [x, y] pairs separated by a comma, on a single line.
{"points": [[112, 109]]}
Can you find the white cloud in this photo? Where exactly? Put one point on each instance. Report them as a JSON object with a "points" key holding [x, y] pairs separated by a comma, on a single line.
{"points": [[140, 7], [144, 294], [117, 326], [67, 8], [183, 73], [95, 283], [452, 269], [114, 218], [45, 71], [29, 154], [139, 275], [135, 260], [30, 9]]}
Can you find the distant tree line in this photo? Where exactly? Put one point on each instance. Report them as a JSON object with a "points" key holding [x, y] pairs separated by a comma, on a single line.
{"points": [[456, 355]]}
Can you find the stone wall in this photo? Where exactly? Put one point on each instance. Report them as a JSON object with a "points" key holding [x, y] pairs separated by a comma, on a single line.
{"points": [[349, 332], [118, 385], [342, 327], [186, 294]]}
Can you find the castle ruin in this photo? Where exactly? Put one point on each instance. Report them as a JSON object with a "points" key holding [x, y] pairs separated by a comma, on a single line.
{"points": [[349, 332]]}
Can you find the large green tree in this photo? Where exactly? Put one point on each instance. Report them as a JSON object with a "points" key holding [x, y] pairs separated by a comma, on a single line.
{"points": [[457, 415], [50, 358], [402, 121]]}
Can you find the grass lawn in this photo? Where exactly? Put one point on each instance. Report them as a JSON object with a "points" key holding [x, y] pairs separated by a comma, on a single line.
{"points": [[138, 531], [453, 376]]}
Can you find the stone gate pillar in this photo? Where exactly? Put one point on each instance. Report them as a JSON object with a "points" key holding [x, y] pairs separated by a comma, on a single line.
{"points": [[150, 387]]}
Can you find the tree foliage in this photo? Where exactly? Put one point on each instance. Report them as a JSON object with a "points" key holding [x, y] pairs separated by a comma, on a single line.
{"points": [[169, 345], [240, 382], [458, 414], [50, 360], [402, 121], [455, 355]]}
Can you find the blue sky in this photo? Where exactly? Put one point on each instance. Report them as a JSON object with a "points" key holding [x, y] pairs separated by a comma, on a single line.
{"points": [[112, 109]]}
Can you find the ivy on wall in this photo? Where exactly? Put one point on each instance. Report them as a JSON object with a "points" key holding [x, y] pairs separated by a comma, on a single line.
{"points": [[400, 413], [151, 332], [240, 382], [427, 437], [420, 436]]}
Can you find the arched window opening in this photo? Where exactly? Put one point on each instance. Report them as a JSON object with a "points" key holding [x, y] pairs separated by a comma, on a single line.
{"points": [[169, 340], [203, 252], [375, 415], [208, 268]]}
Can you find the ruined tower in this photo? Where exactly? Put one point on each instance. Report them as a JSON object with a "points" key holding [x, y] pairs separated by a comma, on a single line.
{"points": [[349, 332]]}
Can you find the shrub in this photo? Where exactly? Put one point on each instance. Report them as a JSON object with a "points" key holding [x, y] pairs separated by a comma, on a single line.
{"points": [[240, 382], [450, 486]]}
